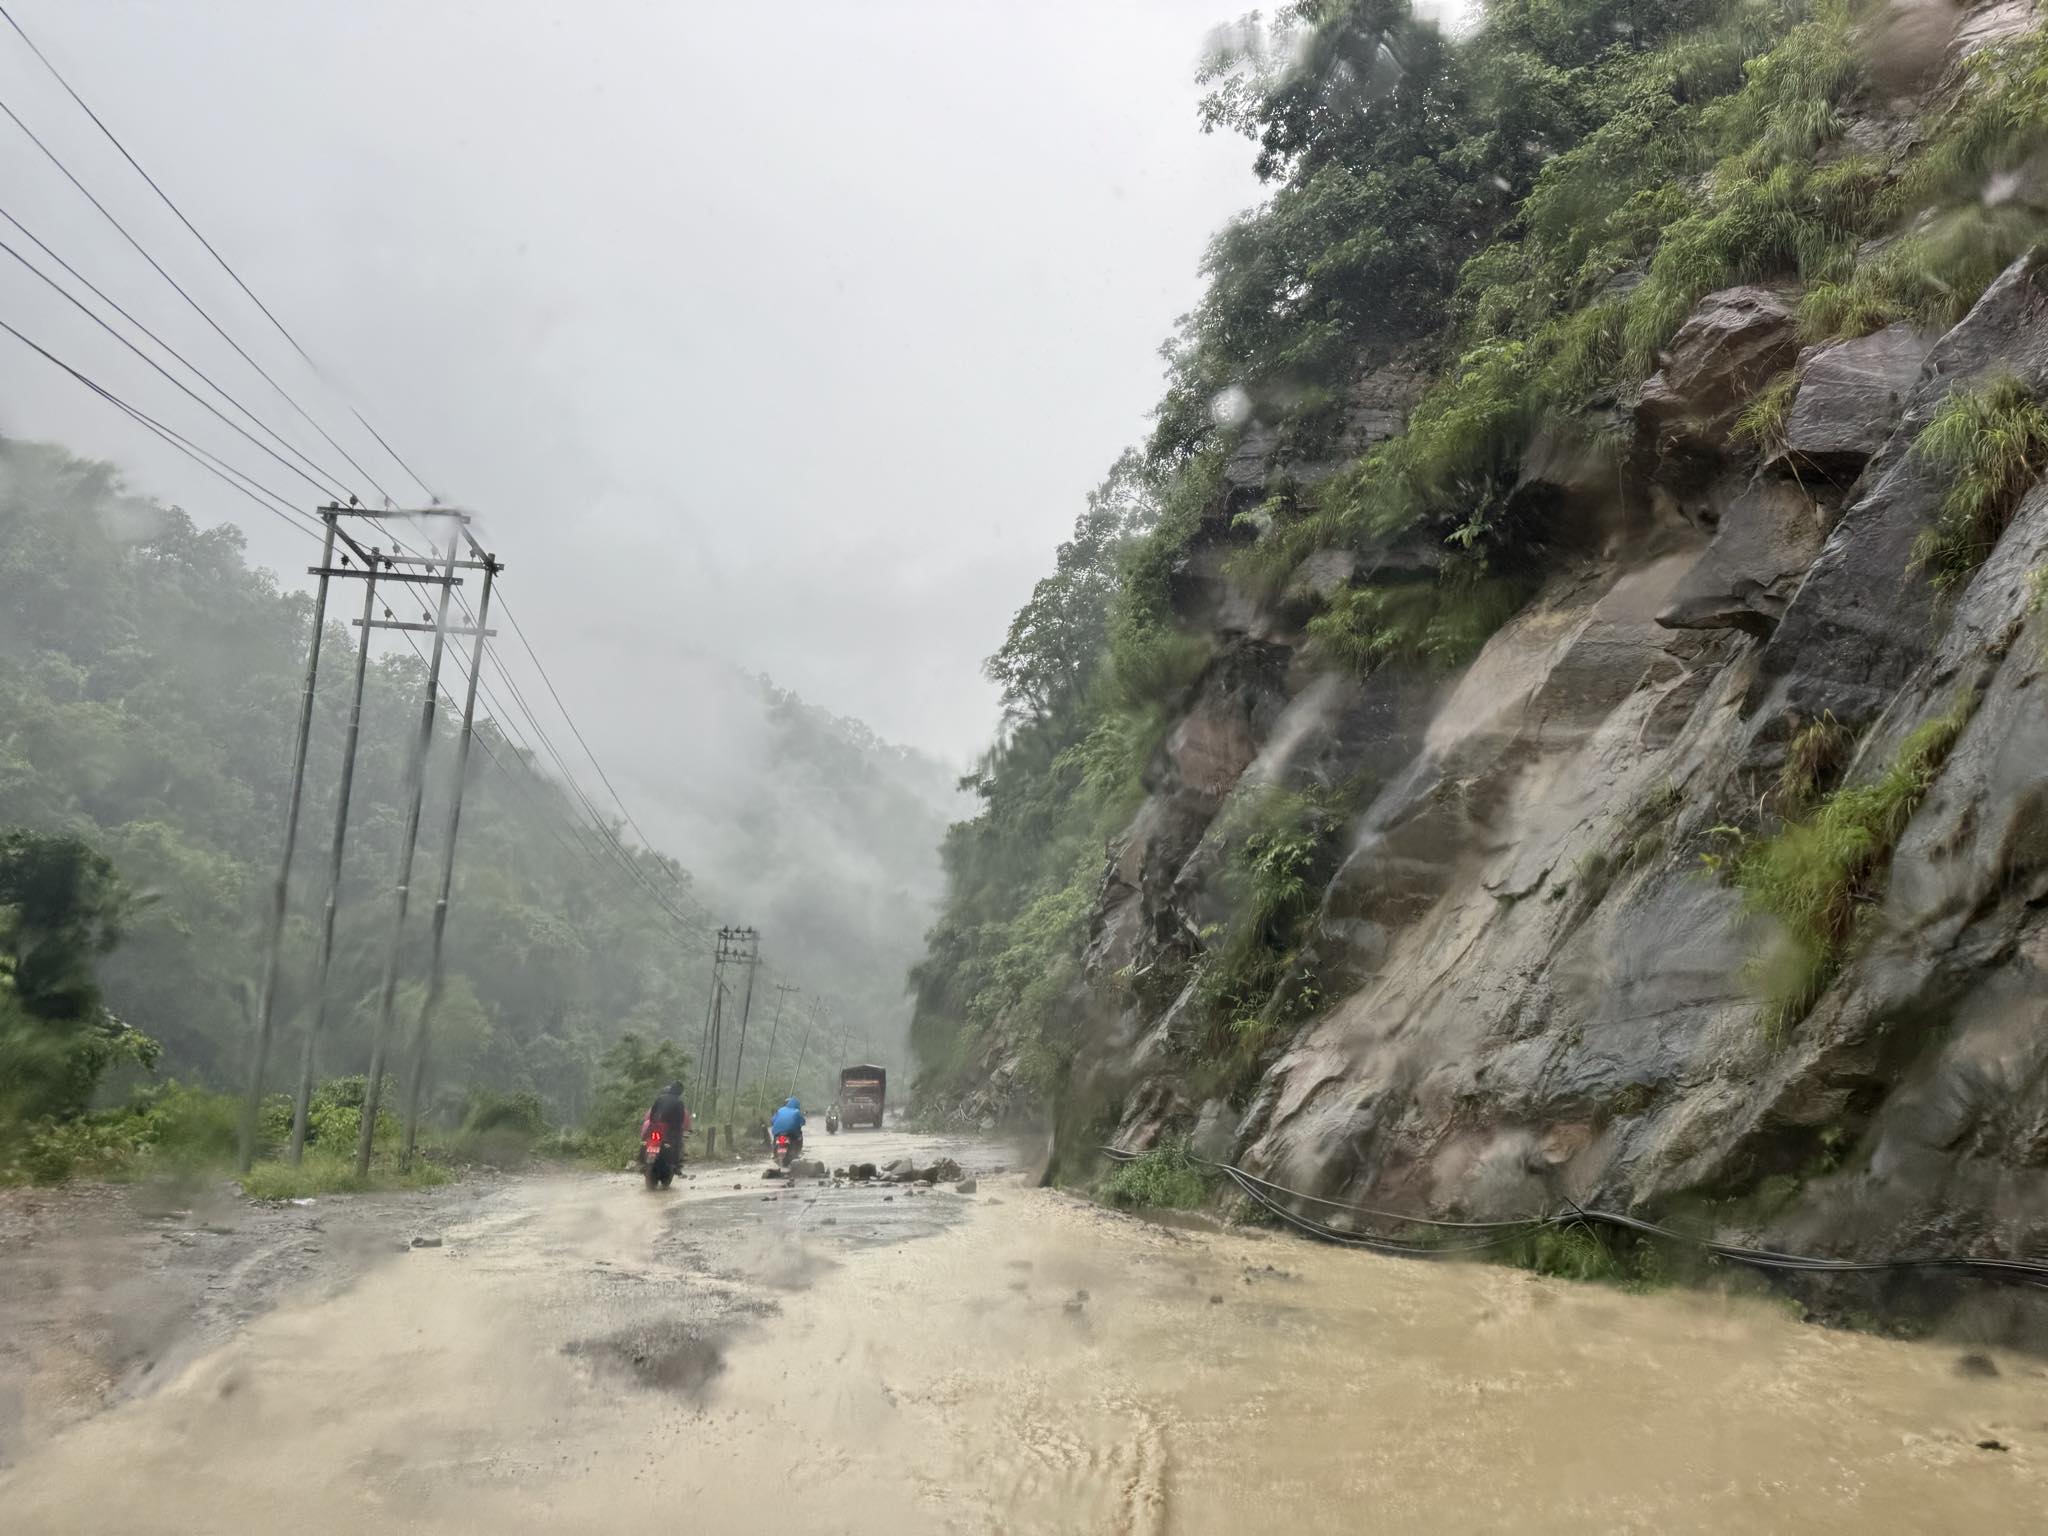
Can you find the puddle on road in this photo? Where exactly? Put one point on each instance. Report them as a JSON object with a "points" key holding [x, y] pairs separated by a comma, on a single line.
{"points": [[1044, 1367], [666, 1356]]}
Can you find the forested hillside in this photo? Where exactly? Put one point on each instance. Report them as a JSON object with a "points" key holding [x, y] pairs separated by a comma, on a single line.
{"points": [[149, 679]]}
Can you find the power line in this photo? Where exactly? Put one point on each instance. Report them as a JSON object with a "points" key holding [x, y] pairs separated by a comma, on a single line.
{"points": [[80, 305], [416, 480], [609, 839], [618, 864], [200, 456], [198, 308], [113, 304], [621, 861], [549, 682], [632, 864], [597, 817], [58, 76]]}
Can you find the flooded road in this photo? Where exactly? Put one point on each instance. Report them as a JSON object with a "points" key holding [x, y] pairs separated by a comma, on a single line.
{"points": [[581, 1355]]}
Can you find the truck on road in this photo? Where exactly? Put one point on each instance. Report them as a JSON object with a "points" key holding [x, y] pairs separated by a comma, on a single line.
{"points": [[863, 1091]]}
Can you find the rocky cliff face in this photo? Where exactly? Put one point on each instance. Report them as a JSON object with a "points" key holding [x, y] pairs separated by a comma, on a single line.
{"points": [[1536, 978]]}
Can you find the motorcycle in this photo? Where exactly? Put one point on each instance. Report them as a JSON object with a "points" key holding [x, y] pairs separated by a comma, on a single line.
{"points": [[661, 1156], [832, 1123], [786, 1150]]}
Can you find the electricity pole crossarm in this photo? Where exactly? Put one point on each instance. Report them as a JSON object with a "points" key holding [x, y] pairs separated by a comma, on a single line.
{"points": [[422, 1031], [415, 778], [280, 891]]}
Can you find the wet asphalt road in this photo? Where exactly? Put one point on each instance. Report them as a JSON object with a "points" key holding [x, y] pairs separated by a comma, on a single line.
{"points": [[578, 1354]]}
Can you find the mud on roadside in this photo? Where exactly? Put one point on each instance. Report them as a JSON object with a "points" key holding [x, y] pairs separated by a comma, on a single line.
{"points": [[107, 1289]]}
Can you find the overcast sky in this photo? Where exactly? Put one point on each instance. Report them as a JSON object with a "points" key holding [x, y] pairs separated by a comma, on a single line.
{"points": [[791, 333]]}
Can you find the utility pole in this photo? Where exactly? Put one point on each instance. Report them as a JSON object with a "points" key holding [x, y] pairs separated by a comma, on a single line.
{"points": [[751, 956], [707, 1056], [423, 1029], [280, 892], [302, 1100], [717, 1034], [415, 780], [782, 991], [817, 1006]]}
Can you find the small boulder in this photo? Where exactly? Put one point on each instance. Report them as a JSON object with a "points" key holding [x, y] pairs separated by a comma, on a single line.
{"points": [[1733, 344], [771, 1173], [1851, 395], [426, 1242], [861, 1172], [965, 1187]]}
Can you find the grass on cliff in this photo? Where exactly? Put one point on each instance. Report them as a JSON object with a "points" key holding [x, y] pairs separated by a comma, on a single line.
{"points": [[1163, 1179], [1814, 760], [1248, 987], [1989, 443], [1820, 877], [1762, 422]]}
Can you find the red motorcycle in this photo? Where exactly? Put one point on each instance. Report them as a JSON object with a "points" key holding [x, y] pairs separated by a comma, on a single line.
{"points": [[787, 1151], [660, 1155]]}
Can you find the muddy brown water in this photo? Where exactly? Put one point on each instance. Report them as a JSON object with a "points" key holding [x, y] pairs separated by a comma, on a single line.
{"points": [[581, 1355]]}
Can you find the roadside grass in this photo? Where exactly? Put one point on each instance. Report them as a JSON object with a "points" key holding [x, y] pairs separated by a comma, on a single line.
{"points": [[183, 1133], [1163, 1179], [1580, 1252], [334, 1173]]}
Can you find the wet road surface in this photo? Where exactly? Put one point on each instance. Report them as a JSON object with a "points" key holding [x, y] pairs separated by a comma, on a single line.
{"points": [[581, 1355]]}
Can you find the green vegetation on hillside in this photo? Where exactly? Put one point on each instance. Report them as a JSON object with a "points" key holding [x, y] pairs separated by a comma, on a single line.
{"points": [[1525, 213], [148, 682], [1819, 878], [1990, 442]]}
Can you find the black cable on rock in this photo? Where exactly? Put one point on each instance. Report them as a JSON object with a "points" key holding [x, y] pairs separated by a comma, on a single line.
{"points": [[1262, 1192]]}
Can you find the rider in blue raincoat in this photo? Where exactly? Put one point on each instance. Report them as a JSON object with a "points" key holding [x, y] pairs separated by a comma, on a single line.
{"points": [[789, 1121]]}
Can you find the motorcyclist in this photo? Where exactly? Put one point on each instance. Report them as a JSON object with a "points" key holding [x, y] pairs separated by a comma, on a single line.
{"points": [[789, 1121], [670, 1114]]}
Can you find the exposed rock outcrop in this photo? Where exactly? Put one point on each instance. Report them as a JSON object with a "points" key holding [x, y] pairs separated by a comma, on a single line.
{"points": [[1851, 395], [1534, 988]]}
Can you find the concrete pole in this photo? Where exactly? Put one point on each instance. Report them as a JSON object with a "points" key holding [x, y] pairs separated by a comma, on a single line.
{"points": [[415, 778], [423, 1029], [266, 1008], [804, 1050], [302, 1102], [717, 1029], [782, 991], [753, 958]]}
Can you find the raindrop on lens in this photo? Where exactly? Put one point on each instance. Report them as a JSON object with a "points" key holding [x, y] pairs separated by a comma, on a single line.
{"points": [[1231, 407]]}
